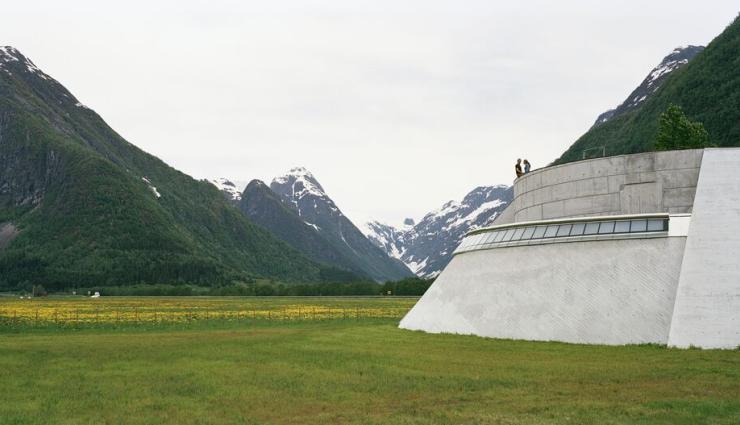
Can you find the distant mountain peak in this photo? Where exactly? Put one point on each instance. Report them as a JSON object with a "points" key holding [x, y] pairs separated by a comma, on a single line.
{"points": [[299, 190], [426, 247], [298, 183], [679, 57], [228, 188]]}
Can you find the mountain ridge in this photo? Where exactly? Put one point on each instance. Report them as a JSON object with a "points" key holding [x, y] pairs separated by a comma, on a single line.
{"points": [[679, 57], [90, 208], [427, 246], [707, 88], [300, 190]]}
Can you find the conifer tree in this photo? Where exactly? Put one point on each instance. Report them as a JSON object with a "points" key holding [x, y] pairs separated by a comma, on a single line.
{"points": [[677, 131]]}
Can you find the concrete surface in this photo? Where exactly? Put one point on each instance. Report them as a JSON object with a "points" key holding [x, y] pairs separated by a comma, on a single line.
{"points": [[682, 289], [626, 184], [707, 311], [599, 292]]}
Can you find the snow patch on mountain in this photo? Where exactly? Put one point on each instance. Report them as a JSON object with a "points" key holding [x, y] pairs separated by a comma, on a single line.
{"points": [[11, 54], [151, 187], [300, 188], [228, 188]]}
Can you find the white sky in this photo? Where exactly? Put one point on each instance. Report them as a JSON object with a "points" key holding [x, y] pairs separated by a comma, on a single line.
{"points": [[395, 106]]}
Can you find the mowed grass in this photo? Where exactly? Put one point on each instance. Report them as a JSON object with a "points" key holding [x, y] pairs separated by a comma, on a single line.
{"points": [[359, 370]]}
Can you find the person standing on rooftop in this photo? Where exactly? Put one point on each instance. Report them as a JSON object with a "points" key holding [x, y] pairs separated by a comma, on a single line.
{"points": [[527, 166], [518, 168]]}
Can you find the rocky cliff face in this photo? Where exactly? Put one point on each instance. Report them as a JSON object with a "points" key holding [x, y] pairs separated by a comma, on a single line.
{"points": [[426, 247]]}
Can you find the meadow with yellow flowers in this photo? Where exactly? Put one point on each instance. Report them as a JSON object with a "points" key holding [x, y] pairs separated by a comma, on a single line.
{"points": [[79, 310], [322, 360]]}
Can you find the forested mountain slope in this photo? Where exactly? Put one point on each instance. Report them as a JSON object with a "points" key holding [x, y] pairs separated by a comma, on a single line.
{"points": [[79, 205]]}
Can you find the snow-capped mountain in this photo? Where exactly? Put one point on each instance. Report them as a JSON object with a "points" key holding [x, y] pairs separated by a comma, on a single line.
{"points": [[301, 191], [229, 189], [675, 60], [426, 247], [389, 238], [265, 208]]}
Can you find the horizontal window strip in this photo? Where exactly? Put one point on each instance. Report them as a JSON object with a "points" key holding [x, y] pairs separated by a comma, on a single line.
{"points": [[533, 232]]}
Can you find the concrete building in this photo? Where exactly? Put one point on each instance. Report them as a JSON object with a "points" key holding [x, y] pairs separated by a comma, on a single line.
{"points": [[630, 249]]}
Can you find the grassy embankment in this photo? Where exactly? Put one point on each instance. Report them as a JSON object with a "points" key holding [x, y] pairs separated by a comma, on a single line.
{"points": [[341, 370]]}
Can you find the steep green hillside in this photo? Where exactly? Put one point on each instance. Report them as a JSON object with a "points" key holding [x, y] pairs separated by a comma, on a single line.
{"points": [[92, 209], [708, 90]]}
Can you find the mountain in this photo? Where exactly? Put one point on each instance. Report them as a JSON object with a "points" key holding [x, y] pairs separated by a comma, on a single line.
{"points": [[228, 188], [301, 192], [707, 88], [81, 206], [675, 60], [426, 247], [264, 207]]}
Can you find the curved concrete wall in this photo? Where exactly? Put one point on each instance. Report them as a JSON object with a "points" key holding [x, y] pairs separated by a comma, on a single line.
{"points": [[627, 184], [596, 292]]}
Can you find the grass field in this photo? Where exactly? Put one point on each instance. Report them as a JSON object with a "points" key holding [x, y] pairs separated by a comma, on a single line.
{"points": [[80, 311], [338, 369]]}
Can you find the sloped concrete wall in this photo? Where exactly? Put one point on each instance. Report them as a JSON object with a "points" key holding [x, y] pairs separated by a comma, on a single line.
{"points": [[627, 184], [707, 311], [596, 292]]}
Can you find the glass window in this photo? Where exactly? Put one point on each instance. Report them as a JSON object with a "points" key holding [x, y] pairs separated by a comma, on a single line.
{"points": [[551, 231], [655, 225], [577, 229], [475, 239], [499, 235], [508, 235], [528, 232], [539, 232], [518, 234], [564, 230], [622, 227], [639, 226], [606, 227], [591, 229], [489, 237]]}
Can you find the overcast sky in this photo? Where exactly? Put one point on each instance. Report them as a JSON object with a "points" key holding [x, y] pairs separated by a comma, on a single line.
{"points": [[396, 106]]}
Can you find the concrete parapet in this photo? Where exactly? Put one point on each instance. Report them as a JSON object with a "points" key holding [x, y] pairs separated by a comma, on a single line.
{"points": [[638, 183]]}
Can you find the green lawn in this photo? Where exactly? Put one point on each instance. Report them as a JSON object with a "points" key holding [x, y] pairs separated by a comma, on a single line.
{"points": [[364, 371]]}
